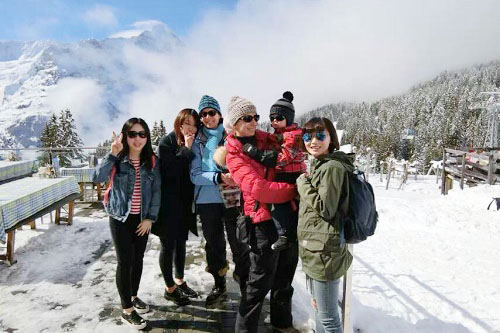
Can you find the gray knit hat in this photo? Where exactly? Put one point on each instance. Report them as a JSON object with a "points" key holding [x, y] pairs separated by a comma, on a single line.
{"points": [[284, 107], [238, 107]]}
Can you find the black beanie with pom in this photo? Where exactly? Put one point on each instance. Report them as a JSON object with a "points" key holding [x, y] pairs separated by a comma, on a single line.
{"points": [[284, 107]]}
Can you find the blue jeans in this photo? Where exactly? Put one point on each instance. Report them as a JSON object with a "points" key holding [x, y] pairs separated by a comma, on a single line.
{"points": [[327, 315]]}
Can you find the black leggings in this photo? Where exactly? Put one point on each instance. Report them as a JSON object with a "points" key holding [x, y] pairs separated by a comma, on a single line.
{"points": [[129, 254], [172, 250]]}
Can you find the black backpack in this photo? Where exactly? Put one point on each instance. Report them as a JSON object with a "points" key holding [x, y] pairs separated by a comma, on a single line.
{"points": [[361, 219]]}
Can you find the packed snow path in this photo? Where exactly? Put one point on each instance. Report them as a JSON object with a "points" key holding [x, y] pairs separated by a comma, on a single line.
{"points": [[432, 266]]}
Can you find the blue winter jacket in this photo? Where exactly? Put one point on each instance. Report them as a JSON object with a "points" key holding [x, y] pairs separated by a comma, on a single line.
{"points": [[120, 196], [206, 188]]}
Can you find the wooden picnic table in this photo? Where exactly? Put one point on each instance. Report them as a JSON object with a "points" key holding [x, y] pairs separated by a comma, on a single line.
{"points": [[23, 200]]}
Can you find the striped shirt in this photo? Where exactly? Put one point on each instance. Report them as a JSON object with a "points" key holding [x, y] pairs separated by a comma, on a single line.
{"points": [[136, 195]]}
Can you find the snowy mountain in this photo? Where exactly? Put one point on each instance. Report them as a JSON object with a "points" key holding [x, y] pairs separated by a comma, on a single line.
{"points": [[29, 70]]}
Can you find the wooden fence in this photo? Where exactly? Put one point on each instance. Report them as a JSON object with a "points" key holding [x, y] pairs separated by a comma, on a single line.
{"points": [[393, 167], [469, 168]]}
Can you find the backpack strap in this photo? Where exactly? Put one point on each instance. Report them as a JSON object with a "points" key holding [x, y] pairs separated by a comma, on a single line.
{"points": [[112, 176]]}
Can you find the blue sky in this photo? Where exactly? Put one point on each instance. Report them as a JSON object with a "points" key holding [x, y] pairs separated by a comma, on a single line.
{"points": [[71, 20]]}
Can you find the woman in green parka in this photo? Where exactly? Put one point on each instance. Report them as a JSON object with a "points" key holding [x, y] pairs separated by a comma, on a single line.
{"points": [[323, 193]]}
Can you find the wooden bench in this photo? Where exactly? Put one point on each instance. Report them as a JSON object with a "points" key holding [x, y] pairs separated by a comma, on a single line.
{"points": [[11, 233]]}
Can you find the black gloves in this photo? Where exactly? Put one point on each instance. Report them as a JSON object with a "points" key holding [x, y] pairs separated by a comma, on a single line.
{"points": [[268, 158]]}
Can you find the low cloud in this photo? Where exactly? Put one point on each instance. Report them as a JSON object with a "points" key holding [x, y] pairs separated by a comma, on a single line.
{"points": [[85, 98], [323, 51], [100, 15]]}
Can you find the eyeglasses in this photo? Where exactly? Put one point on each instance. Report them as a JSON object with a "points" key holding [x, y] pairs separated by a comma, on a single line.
{"points": [[249, 118], [133, 134], [210, 113], [308, 136], [278, 117]]}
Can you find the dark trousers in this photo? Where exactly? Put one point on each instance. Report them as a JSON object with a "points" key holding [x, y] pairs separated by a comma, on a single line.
{"points": [[129, 253], [173, 251], [283, 218], [269, 271], [214, 217], [283, 215]]}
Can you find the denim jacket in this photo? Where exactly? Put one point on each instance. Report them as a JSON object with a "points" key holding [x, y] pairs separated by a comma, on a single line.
{"points": [[120, 196]]}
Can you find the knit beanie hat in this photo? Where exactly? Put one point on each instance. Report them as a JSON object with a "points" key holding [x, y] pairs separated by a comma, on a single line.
{"points": [[284, 107], [208, 102], [238, 107]]}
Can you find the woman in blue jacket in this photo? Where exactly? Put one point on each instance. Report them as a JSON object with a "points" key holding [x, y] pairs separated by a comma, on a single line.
{"points": [[132, 203], [214, 215]]}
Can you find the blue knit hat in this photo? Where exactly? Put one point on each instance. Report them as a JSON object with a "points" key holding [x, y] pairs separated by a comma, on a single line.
{"points": [[208, 102]]}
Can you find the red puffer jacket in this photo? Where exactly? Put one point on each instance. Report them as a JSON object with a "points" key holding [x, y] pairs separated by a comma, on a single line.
{"points": [[249, 175]]}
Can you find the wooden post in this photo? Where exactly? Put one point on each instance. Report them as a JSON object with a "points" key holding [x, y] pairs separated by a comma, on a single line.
{"points": [[462, 175], [71, 207], [491, 169], [57, 219], [346, 302], [443, 174], [389, 171], [381, 170], [99, 196], [11, 238], [32, 224], [406, 171], [82, 191]]}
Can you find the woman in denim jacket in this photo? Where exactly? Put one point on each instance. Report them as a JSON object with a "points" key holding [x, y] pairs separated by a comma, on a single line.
{"points": [[132, 203]]}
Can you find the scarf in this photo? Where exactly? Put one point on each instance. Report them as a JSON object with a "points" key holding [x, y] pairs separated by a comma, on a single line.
{"points": [[214, 136]]}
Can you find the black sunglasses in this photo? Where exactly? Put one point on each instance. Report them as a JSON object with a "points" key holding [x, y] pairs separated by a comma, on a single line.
{"points": [[133, 134], [210, 113], [249, 118], [278, 117]]}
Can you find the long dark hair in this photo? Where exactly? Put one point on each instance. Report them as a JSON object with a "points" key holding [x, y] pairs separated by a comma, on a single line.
{"points": [[147, 151], [181, 119], [321, 124]]}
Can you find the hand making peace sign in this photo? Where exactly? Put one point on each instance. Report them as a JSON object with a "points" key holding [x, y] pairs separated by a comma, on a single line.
{"points": [[116, 144]]}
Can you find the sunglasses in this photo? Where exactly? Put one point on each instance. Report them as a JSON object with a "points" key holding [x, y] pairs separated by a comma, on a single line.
{"points": [[133, 134], [278, 117], [249, 118], [210, 113], [308, 136]]}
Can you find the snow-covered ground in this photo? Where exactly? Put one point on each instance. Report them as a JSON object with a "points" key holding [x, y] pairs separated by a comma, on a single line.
{"points": [[432, 266]]}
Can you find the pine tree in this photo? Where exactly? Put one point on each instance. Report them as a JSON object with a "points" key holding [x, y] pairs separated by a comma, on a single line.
{"points": [[103, 148], [155, 138], [68, 137], [161, 130], [49, 138]]}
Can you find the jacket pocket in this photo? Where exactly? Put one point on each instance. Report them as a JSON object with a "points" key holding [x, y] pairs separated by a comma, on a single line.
{"points": [[313, 245]]}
